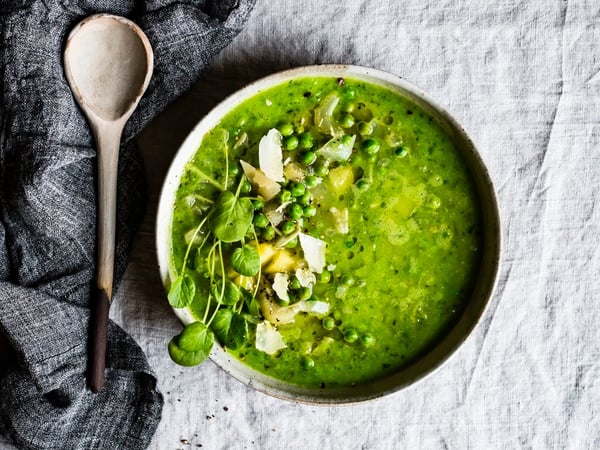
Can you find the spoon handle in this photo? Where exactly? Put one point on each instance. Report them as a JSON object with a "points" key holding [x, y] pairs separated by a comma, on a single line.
{"points": [[108, 138]]}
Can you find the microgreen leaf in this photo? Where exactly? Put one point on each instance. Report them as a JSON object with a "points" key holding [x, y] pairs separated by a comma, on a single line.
{"points": [[245, 260], [252, 304], [231, 294], [192, 346], [232, 217], [231, 328], [182, 291]]}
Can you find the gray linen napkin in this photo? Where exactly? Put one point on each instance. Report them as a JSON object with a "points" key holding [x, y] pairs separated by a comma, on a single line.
{"points": [[47, 218]]}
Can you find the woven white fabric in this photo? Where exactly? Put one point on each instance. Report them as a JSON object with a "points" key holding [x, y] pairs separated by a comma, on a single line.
{"points": [[523, 77]]}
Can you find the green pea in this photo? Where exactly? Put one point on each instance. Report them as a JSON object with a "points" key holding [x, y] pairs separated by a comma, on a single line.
{"points": [[371, 146], [286, 129], [268, 233], [364, 128], [350, 335], [349, 92], [321, 170], [325, 276], [328, 323], [246, 187], [347, 121], [290, 143], [288, 227], [258, 204], [309, 211], [308, 157], [295, 211], [304, 293], [307, 363], [297, 189], [363, 184], [260, 220], [305, 199], [306, 141], [348, 108], [293, 243], [348, 280], [367, 339], [311, 181], [401, 152], [295, 283], [285, 196], [234, 170], [346, 139], [282, 302]]}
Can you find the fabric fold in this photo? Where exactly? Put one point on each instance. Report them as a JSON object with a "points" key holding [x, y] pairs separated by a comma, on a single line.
{"points": [[48, 219]]}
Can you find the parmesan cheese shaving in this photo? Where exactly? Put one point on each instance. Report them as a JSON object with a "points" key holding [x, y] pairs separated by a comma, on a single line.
{"points": [[270, 155], [280, 285], [340, 217], [268, 339], [314, 252], [313, 307], [264, 185], [306, 277]]}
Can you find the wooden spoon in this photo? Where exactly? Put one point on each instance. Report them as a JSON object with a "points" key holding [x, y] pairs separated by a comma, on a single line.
{"points": [[108, 62]]}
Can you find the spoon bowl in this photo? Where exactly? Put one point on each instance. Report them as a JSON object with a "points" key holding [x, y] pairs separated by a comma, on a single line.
{"points": [[108, 63]]}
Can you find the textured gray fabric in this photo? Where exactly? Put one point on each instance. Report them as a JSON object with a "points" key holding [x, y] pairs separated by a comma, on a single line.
{"points": [[47, 218]]}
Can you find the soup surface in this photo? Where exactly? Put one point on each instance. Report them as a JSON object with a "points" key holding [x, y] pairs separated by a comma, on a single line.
{"points": [[364, 238]]}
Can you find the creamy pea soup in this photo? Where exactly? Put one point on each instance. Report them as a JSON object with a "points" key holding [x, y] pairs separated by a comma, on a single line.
{"points": [[326, 233]]}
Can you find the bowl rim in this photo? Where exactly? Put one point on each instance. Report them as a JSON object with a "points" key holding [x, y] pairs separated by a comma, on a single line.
{"points": [[476, 166]]}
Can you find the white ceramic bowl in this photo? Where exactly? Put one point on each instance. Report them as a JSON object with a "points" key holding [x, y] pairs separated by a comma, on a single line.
{"points": [[489, 266]]}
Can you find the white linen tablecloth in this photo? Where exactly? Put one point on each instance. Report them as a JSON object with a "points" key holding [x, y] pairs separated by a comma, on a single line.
{"points": [[523, 77]]}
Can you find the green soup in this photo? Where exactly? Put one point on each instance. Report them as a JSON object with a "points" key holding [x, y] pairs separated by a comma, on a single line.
{"points": [[376, 180]]}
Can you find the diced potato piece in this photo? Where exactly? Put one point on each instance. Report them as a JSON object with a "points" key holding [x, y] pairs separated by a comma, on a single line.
{"points": [[282, 261], [266, 252], [340, 179], [404, 206], [294, 171]]}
